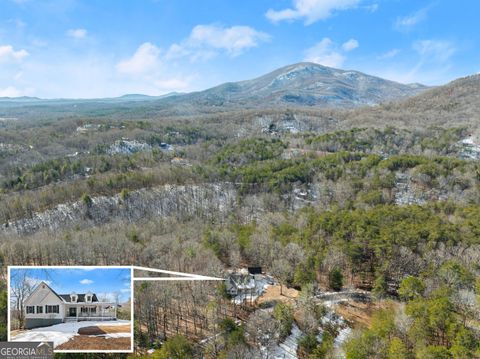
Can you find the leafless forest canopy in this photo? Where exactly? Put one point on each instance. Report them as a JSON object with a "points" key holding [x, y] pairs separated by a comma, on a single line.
{"points": [[382, 200]]}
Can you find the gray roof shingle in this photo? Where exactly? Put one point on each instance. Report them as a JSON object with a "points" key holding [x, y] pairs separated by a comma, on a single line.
{"points": [[80, 299]]}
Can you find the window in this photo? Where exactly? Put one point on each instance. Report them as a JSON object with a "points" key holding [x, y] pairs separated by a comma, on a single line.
{"points": [[30, 309], [39, 309], [88, 310], [89, 298], [52, 309]]}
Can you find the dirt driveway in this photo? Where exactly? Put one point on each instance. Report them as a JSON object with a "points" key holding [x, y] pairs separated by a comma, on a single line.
{"points": [[100, 337]]}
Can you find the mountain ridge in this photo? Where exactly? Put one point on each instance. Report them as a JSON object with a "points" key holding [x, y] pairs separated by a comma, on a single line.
{"points": [[304, 84], [450, 105], [301, 84], [125, 97]]}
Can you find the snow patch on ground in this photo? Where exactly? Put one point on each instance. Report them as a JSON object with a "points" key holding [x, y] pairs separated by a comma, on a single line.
{"points": [[126, 146], [288, 348], [62, 333], [470, 148], [406, 193], [342, 336], [117, 335]]}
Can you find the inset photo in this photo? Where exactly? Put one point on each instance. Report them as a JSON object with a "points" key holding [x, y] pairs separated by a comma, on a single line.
{"points": [[80, 309]]}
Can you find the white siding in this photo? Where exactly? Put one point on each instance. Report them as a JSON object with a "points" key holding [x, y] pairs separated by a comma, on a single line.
{"points": [[44, 296]]}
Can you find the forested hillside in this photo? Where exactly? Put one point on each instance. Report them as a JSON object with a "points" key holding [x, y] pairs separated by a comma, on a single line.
{"points": [[381, 202]]}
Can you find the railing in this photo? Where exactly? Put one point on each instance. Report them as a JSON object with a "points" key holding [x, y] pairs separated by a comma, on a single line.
{"points": [[91, 315], [84, 319]]}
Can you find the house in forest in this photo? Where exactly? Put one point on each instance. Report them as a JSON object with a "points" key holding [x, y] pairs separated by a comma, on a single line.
{"points": [[44, 307], [240, 282], [247, 284]]}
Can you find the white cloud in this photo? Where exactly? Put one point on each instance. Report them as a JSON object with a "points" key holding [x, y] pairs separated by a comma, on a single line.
{"points": [[434, 50], [147, 69], [407, 22], [325, 53], [77, 33], [205, 41], [233, 39], [371, 7], [350, 45], [7, 53], [310, 10], [86, 281], [389, 54], [151, 71], [145, 59], [431, 64], [10, 91], [74, 74], [18, 23]]}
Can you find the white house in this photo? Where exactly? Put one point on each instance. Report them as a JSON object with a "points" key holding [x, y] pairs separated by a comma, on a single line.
{"points": [[45, 307]]}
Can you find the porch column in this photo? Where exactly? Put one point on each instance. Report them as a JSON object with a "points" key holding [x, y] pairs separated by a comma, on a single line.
{"points": [[76, 311]]}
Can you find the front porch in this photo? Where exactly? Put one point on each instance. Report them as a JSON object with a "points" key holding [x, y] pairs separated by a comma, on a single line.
{"points": [[94, 311]]}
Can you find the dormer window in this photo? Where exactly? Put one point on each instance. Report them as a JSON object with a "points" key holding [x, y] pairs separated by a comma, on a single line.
{"points": [[88, 297], [73, 297]]}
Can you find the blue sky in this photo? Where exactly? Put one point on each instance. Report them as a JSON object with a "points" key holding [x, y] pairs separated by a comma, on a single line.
{"points": [[105, 282], [102, 48]]}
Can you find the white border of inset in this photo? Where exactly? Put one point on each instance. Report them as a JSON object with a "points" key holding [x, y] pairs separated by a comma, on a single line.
{"points": [[80, 267], [181, 275]]}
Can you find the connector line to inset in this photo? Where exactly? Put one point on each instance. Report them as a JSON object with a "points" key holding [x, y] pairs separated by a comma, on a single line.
{"points": [[173, 278], [181, 276]]}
